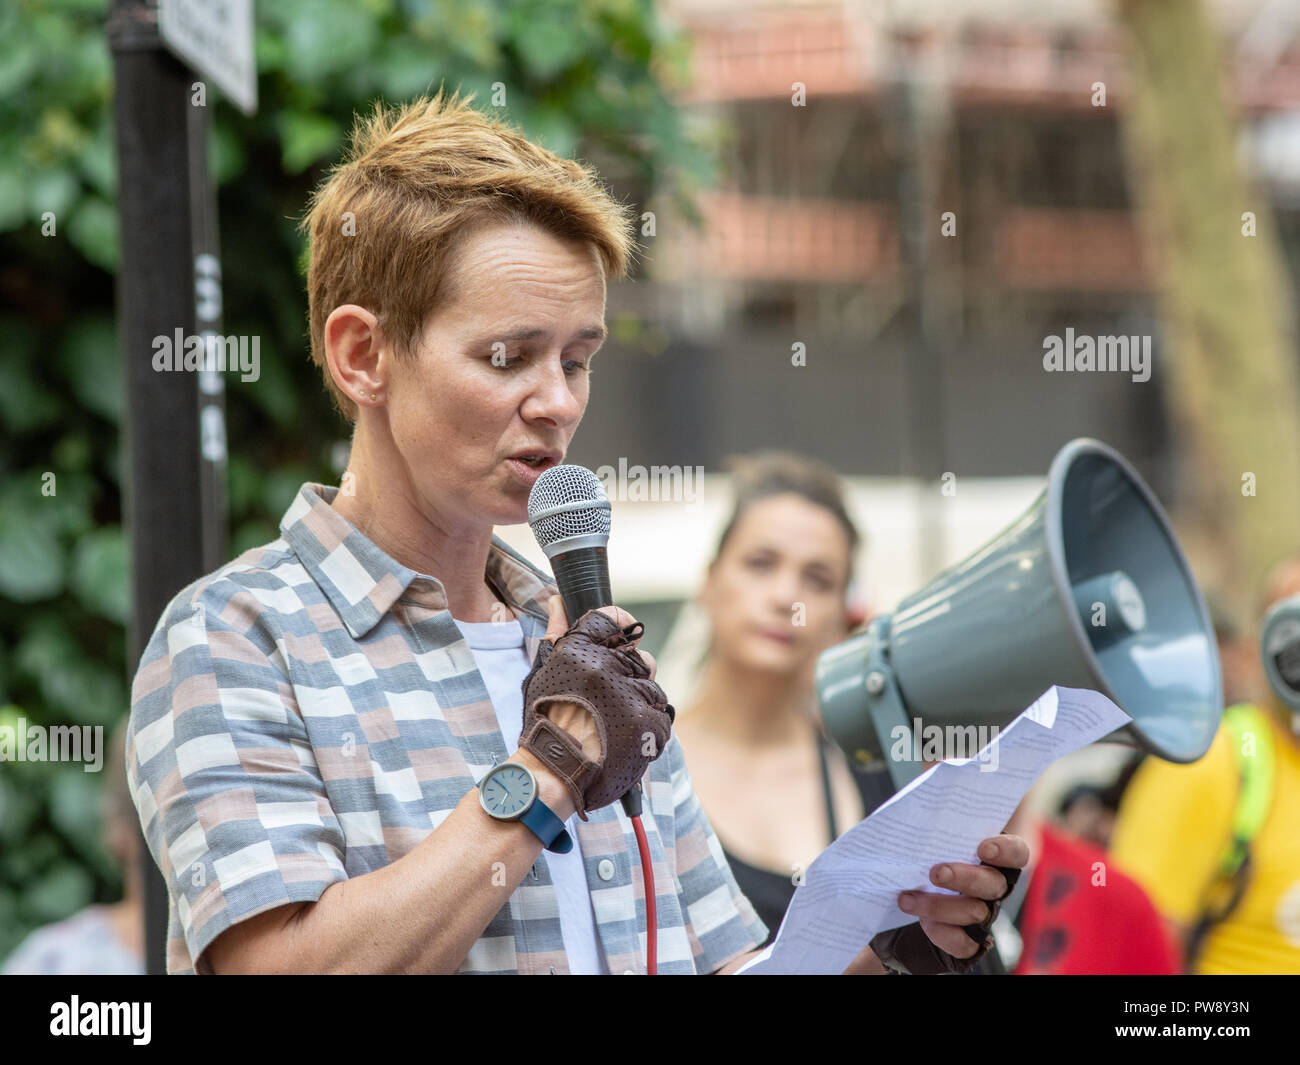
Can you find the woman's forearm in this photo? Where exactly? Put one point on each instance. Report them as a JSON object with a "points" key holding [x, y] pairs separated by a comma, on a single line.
{"points": [[420, 914]]}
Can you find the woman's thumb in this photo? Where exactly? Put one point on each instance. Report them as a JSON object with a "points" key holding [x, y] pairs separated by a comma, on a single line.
{"points": [[559, 622]]}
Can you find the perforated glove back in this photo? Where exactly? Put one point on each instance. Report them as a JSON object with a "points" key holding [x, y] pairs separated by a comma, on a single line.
{"points": [[595, 666]]}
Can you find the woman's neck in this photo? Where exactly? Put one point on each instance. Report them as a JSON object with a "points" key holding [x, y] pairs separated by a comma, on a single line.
{"points": [[386, 510], [752, 708]]}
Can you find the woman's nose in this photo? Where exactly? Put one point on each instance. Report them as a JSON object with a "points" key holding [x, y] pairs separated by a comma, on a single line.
{"points": [[553, 397], [783, 592]]}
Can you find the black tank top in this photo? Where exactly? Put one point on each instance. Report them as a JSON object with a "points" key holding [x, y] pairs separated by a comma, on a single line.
{"points": [[769, 891]]}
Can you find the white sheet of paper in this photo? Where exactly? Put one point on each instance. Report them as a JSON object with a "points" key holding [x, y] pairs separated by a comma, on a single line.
{"points": [[850, 891]]}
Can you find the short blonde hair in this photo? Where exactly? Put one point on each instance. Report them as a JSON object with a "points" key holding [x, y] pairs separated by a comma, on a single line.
{"points": [[384, 225]]}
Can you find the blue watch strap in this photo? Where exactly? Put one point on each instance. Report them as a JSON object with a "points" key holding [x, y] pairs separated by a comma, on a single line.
{"points": [[543, 824]]}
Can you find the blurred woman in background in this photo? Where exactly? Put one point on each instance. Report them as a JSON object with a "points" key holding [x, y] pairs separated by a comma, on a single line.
{"points": [[775, 789], [100, 940]]}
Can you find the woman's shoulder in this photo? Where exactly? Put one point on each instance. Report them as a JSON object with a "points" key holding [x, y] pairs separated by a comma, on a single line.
{"points": [[262, 581]]}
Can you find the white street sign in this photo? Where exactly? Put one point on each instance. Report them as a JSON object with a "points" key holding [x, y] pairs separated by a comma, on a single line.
{"points": [[216, 38]]}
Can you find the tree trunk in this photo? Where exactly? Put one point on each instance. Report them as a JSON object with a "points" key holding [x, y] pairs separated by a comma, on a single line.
{"points": [[1228, 332]]}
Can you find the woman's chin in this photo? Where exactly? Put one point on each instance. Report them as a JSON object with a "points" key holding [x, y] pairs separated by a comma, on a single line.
{"points": [[765, 655], [509, 509]]}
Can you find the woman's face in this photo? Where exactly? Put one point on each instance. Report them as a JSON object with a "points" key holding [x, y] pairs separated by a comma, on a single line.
{"points": [[500, 370], [775, 595]]}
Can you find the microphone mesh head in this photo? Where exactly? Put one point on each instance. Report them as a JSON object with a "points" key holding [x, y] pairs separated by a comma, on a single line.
{"points": [[567, 485]]}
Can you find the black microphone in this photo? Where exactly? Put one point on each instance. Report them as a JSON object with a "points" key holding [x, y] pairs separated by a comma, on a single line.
{"points": [[570, 515]]}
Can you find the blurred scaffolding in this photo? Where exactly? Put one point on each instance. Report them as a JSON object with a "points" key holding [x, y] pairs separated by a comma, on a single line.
{"points": [[850, 131]]}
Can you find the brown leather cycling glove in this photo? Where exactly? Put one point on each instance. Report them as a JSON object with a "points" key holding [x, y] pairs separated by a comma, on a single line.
{"points": [[595, 666], [909, 950]]}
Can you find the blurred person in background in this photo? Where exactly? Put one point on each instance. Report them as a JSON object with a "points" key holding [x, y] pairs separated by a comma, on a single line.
{"points": [[1243, 680], [105, 940], [1215, 843], [1088, 811], [776, 790], [1072, 912]]}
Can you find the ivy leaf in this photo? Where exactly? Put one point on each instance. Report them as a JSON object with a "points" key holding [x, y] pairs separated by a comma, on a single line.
{"points": [[59, 893], [408, 69], [306, 138], [93, 230], [547, 41], [31, 558], [326, 37], [552, 128], [101, 574], [92, 365], [13, 196], [26, 405], [52, 190], [18, 62], [75, 798], [77, 689]]}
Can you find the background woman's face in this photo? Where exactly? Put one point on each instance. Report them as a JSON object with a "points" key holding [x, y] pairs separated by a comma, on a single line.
{"points": [[776, 593]]}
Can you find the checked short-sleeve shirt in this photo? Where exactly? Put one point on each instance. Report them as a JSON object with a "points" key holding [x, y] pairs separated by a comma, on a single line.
{"points": [[310, 712]]}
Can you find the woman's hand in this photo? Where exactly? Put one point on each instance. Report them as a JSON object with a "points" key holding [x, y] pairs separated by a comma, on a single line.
{"points": [[943, 918], [574, 719], [594, 668]]}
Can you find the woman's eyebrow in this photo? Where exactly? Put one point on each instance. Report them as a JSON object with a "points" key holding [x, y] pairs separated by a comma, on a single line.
{"points": [[811, 564], [525, 333]]}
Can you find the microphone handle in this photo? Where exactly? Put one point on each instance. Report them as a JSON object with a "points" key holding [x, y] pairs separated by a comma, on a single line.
{"points": [[583, 579], [582, 576]]}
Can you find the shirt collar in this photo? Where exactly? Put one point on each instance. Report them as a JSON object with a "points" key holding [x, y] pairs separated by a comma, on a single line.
{"points": [[363, 582]]}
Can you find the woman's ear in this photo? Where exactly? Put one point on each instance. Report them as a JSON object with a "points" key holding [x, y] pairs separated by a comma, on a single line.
{"points": [[354, 349]]}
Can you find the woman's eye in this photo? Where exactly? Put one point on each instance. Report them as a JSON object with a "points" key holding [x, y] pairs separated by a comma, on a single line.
{"points": [[502, 361], [758, 562]]}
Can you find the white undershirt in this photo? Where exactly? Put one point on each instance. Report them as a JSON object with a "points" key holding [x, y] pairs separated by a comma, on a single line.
{"points": [[498, 648]]}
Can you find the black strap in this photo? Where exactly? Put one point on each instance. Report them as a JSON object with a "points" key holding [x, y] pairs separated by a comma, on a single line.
{"points": [[826, 786], [1215, 915]]}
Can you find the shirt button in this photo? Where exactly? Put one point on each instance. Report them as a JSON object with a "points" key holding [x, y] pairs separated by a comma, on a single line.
{"points": [[605, 870]]}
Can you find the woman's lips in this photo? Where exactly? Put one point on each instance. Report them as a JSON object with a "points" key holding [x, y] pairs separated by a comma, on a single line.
{"points": [[786, 638], [529, 474]]}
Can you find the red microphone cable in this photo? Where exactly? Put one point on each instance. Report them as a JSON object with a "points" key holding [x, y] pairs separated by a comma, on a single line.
{"points": [[632, 806]]}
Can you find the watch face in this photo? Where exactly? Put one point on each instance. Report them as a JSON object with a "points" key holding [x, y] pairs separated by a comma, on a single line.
{"points": [[507, 791]]}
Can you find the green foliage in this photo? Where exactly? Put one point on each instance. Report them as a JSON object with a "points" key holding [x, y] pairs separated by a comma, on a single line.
{"points": [[585, 77]]}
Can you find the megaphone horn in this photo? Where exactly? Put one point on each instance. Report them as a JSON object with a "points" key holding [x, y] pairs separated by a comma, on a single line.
{"points": [[1087, 589]]}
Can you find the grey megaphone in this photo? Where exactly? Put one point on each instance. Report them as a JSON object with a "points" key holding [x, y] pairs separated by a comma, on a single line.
{"points": [[1088, 589]]}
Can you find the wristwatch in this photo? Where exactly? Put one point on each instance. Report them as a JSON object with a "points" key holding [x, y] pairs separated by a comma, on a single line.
{"points": [[509, 793]]}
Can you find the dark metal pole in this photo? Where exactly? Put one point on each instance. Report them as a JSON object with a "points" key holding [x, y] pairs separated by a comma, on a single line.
{"points": [[207, 310], [925, 433], [165, 513], [921, 111]]}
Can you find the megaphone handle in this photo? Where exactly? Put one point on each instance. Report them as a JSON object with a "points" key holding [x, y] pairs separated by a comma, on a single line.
{"points": [[991, 964]]}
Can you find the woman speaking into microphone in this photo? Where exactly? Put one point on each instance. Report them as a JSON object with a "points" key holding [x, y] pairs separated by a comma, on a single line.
{"points": [[345, 749]]}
